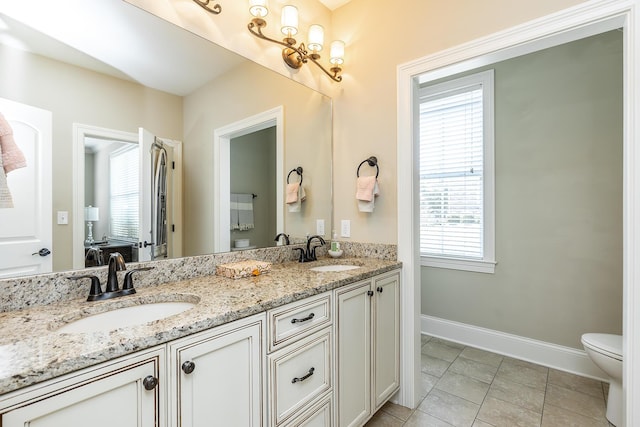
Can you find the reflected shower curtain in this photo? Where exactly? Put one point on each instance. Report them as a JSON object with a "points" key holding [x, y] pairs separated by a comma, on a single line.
{"points": [[159, 202]]}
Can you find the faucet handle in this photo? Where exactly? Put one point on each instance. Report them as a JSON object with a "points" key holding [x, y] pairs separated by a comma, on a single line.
{"points": [[95, 291], [127, 286]]}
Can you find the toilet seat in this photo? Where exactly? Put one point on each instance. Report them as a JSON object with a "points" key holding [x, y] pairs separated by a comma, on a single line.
{"points": [[606, 344]]}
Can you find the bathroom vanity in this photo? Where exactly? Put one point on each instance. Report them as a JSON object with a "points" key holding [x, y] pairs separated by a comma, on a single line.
{"points": [[288, 348]]}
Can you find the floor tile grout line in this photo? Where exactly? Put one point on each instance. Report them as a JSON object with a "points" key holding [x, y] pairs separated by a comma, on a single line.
{"points": [[548, 382], [487, 394]]}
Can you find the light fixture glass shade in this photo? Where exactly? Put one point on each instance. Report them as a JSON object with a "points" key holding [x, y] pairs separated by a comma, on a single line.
{"points": [[258, 8], [316, 37], [337, 52], [91, 213], [289, 20]]}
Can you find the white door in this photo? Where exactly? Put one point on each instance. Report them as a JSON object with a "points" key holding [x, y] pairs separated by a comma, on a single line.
{"points": [[25, 229]]}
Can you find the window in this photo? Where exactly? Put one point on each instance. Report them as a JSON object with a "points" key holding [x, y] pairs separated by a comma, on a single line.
{"points": [[456, 173], [124, 196]]}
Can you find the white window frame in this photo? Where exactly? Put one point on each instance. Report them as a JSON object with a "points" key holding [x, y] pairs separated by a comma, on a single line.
{"points": [[487, 263]]}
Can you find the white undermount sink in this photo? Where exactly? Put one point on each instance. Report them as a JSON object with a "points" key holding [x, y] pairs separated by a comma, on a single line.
{"points": [[334, 267], [126, 316]]}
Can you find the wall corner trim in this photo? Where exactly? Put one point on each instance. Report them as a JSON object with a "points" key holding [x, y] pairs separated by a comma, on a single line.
{"points": [[555, 356]]}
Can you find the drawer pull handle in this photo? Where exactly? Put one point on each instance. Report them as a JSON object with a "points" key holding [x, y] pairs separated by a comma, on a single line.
{"points": [[309, 317], [150, 382], [379, 289], [370, 293], [297, 380], [188, 367]]}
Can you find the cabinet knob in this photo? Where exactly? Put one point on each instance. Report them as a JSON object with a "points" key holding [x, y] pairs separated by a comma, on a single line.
{"points": [[370, 293], [150, 382], [379, 289], [188, 367]]}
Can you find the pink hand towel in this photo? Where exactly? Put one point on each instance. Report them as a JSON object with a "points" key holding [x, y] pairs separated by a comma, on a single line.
{"points": [[292, 192], [12, 157], [364, 188]]}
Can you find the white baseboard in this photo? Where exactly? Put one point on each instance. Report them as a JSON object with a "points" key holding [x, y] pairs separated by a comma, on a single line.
{"points": [[542, 353]]}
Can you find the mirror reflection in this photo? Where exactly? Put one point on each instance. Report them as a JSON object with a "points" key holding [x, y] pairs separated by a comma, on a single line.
{"points": [[175, 90]]}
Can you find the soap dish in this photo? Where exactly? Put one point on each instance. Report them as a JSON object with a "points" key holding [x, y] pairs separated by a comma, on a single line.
{"points": [[335, 254]]}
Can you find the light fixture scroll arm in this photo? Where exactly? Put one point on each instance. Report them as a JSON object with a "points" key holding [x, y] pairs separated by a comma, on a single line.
{"points": [[333, 74], [255, 27], [215, 9]]}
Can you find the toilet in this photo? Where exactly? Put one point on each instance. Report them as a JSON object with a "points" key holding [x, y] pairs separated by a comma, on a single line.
{"points": [[605, 350]]}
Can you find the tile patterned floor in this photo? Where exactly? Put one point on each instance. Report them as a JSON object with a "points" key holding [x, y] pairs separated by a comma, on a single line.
{"points": [[466, 387]]}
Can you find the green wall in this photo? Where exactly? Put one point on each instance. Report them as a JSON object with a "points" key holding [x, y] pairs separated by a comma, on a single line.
{"points": [[558, 201]]}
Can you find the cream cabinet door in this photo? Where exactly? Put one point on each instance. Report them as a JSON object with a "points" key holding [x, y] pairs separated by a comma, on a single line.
{"points": [[218, 376], [386, 338], [123, 396], [353, 323]]}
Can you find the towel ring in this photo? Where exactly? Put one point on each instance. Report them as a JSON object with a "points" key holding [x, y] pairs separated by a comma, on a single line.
{"points": [[297, 170], [372, 161]]}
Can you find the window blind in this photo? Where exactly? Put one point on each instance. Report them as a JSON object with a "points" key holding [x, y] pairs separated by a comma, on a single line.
{"points": [[451, 173], [124, 179]]}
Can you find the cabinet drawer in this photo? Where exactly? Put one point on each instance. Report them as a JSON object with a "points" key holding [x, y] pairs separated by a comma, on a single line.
{"points": [[318, 415], [297, 320], [299, 375]]}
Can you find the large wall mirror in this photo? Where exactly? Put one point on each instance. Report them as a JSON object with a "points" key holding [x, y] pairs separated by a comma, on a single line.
{"points": [[113, 75]]}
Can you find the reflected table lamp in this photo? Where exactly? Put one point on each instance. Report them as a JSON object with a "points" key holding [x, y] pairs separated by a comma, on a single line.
{"points": [[91, 214]]}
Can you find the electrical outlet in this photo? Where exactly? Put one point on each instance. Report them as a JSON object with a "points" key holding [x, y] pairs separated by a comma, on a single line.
{"points": [[320, 227], [63, 217], [345, 228]]}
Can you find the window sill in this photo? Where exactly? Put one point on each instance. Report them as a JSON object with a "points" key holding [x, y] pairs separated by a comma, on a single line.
{"points": [[477, 266]]}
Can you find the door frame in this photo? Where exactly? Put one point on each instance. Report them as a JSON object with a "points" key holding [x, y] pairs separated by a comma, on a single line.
{"points": [[80, 132], [593, 16], [222, 171]]}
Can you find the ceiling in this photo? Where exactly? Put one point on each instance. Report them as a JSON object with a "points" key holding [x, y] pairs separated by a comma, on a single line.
{"points": [[95, 42], [154, 50], [334, 4]]}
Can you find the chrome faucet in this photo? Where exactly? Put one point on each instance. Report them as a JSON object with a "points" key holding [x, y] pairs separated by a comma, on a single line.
{"points": [[285, 236]]}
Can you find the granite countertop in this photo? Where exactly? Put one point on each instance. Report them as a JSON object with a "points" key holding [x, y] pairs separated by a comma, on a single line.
{"points": [[31, 350]]}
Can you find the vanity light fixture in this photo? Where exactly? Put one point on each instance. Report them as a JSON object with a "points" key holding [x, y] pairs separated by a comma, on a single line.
{"points": [[295, 56], [215, 9]]}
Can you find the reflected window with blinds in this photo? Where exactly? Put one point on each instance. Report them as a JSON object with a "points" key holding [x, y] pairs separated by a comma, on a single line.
{"points": [[124, 193], [456, 173]]}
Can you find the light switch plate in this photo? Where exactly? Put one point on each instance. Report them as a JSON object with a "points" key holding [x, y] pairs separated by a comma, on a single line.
{"points": [[63, 217], [320, 227], [345, 228]]}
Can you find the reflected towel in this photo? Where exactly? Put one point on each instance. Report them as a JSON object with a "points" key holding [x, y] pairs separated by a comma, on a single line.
{"points": [[364, 206], [301, 197], [12, 157], [365, 188], [241, 212], [292, 192], [6, 201]]}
